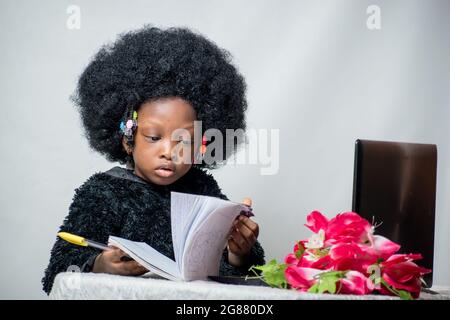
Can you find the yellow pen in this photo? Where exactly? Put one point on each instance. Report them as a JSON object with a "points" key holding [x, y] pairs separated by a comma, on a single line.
{"points": [[82, 241]]}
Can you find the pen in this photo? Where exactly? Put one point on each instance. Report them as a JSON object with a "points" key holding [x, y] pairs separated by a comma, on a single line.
{"points": [[87, 243]]}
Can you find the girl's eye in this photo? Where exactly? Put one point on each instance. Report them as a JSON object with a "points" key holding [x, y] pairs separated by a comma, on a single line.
{"points": [[186, 142], [153, 138]]}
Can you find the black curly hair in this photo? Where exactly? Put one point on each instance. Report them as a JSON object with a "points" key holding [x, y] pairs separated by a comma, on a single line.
{"points": [[151, 63]]}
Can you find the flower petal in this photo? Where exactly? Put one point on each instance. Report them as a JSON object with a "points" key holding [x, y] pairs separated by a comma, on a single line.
{"points": [[383, 247], [316, 221], [349, 226], [301, 278], [355, 283]]}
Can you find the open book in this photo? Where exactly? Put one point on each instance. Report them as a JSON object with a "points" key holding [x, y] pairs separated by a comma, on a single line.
{"points": [[200, 228]]}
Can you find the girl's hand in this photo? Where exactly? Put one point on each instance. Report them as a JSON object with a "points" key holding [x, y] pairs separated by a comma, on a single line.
{"points": [[242, 238], [110, 261]]}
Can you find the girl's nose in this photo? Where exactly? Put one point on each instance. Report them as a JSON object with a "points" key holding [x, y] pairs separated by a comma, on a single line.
{"points": [[166, 149]]}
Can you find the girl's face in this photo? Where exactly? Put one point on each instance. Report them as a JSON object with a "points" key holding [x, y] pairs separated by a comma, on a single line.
{"points": [[153, 142]]}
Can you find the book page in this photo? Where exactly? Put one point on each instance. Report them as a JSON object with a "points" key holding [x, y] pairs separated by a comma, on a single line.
{"points": [[183, 210], [148, 257], [205, 243], [209, 205]]}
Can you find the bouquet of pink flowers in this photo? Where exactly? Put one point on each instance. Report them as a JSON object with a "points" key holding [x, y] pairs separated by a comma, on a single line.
{"points": [[343, 256]]}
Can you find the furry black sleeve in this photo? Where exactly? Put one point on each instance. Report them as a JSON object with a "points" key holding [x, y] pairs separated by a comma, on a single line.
{"points": [[92, 215]]}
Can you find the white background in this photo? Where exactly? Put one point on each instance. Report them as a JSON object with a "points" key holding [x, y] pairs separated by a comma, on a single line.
{"points": [[313, 69]]}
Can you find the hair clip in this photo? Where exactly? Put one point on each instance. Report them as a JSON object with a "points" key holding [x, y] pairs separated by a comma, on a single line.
{"points": [[129, 126]]}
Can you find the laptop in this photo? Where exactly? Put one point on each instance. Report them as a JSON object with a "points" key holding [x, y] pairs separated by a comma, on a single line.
{"points": [[395, 185]]}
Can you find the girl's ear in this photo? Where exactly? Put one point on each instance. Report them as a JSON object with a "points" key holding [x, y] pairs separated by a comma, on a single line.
{"points": [[125, 145]]}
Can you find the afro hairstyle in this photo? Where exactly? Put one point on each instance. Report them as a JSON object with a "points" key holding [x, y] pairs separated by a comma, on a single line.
{"points": [[151, 63]]}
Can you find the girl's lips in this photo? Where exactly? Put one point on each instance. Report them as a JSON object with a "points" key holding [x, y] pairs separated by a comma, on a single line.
{"points": [[164, 173]]}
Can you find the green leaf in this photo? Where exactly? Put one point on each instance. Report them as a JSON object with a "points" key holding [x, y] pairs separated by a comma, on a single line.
{"points": [[272, 273], [319, 253], [300, 251], [326, 282], [331, 285], [405, 295], [314, 288]]}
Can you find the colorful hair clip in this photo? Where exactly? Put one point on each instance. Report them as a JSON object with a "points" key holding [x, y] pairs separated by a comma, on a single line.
{"points": [[128, 126]]}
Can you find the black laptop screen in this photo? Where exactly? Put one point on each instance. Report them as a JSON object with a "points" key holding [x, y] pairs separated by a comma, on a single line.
{"points": [[395, 185]]}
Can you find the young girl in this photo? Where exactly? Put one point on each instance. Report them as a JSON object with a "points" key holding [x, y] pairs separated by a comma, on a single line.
{"points": [[132, 96]]}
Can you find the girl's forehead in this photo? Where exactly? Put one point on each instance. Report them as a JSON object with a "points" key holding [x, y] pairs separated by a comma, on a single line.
{"points": [[174, 109], [154, 123], [173, 113]]}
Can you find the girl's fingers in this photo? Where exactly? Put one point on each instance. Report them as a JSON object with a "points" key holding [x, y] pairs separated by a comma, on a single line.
{"points": [[234, 247], [139, 270], [245, 229], [126, 258], [247, 233], [121, 255], [233, 226], [240, 240], [112, 255], [250, 224], [131, 268]]}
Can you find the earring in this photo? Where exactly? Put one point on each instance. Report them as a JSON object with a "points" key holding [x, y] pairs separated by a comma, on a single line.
{"points": [[202, 150], [203, 146]]}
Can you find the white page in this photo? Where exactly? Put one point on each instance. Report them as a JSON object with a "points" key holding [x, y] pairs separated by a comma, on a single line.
{"points": [[148, 257], [206, 243], [209, 205], [183, 208]]}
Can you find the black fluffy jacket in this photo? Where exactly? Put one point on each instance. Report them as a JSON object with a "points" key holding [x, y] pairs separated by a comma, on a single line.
{"points": [[119, 203]]}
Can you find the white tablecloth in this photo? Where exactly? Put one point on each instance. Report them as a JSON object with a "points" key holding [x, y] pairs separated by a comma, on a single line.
{"points": [[104, 286]]}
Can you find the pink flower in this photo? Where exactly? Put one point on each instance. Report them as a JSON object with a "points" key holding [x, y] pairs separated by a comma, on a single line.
{"points": [[316, 221], [382, 247], [345, 249], [348, 227], [351, 256], [310, 258], [301, 278], [401, 273], [345, 227], [355, 283], [291, 259], [398, 258], [310, 261], [295, 256], [342, 251]]}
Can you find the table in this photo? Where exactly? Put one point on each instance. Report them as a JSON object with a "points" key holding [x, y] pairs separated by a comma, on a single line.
{"points": [[72, 285]]}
